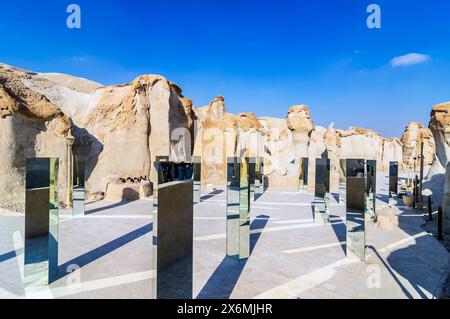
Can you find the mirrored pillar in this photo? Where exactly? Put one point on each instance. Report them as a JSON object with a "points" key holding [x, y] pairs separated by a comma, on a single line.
{"points": [[244, 209], [78, 176], [172, 253], [197, 179], [252, 177], [342, 181], [303, 176], [161, 172], [233, 182], [262, 176], [41, 221], [393, 181], [258, 172], [322, 191], [371, 186], [356, 208]]}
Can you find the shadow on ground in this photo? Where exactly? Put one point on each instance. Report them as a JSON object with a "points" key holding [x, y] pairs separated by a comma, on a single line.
{"points": [[103, 250], [222, 282]]}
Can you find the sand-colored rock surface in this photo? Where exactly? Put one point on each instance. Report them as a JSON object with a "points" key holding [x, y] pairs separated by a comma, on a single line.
{"points": [[115, 127], [122, 129], [440, 128], [30, 126], [216, 139], [128, 190], [414, 138]]}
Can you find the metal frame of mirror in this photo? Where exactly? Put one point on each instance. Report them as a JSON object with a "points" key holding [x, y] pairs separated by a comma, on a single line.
{"points": [[303, 175], [359, 199], [41, 222], [322, 191], [78, 182]]}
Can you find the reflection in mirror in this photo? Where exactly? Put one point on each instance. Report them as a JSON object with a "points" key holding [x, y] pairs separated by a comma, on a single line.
{"points": [[41, 221], [252, 177], [356, 206], [172, 249], [197, 178], [233, 182], [78, 178], [257, 179], [393, 181], [244, 209], [262, 180], [371, 184], [303, 176], [322, 191], [342, 181], [162, 172]]}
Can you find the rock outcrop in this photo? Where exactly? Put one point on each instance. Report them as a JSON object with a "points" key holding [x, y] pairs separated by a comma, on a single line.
{"points": [[30, 126], [119, 129], [416, 137], [216, 139], [122, 129], [438, 178], [392, 152]]}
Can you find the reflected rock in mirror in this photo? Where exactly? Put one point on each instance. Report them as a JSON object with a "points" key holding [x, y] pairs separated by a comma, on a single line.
{"points": [[41, 222]]}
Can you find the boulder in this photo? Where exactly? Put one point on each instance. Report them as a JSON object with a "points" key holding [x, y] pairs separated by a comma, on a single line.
{"points": [[387, 219], [119, 191]]}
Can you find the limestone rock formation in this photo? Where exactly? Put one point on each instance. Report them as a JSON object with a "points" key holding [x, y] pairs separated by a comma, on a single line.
{"points": [[216, 139], [279, 156], [440, 127], [120, 129], [413, 138], [30, 126], [392, 152]]}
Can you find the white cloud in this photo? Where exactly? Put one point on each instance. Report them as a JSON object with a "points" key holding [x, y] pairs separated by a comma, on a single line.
{"points": [[409, 59]]}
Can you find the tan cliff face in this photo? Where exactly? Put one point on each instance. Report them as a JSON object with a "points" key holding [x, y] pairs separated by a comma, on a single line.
{"points": [[436, 177], [30, 126], [121, 129], [414, 138], [299, 120], [216, 139], [440, 128]]}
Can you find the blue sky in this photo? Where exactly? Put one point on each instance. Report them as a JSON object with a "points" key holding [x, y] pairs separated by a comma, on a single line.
{"points": [[263, 56]]}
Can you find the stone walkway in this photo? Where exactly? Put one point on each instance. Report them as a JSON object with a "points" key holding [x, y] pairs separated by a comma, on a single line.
{"points": [[291, 256]]}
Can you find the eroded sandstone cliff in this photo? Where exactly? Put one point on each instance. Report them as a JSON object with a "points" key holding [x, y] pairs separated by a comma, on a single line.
{"points": [[30, 126], [122, 129], [436, 178]]}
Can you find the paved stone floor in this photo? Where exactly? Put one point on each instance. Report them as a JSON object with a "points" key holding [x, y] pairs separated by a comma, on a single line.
{"points": [[291, 256]]}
